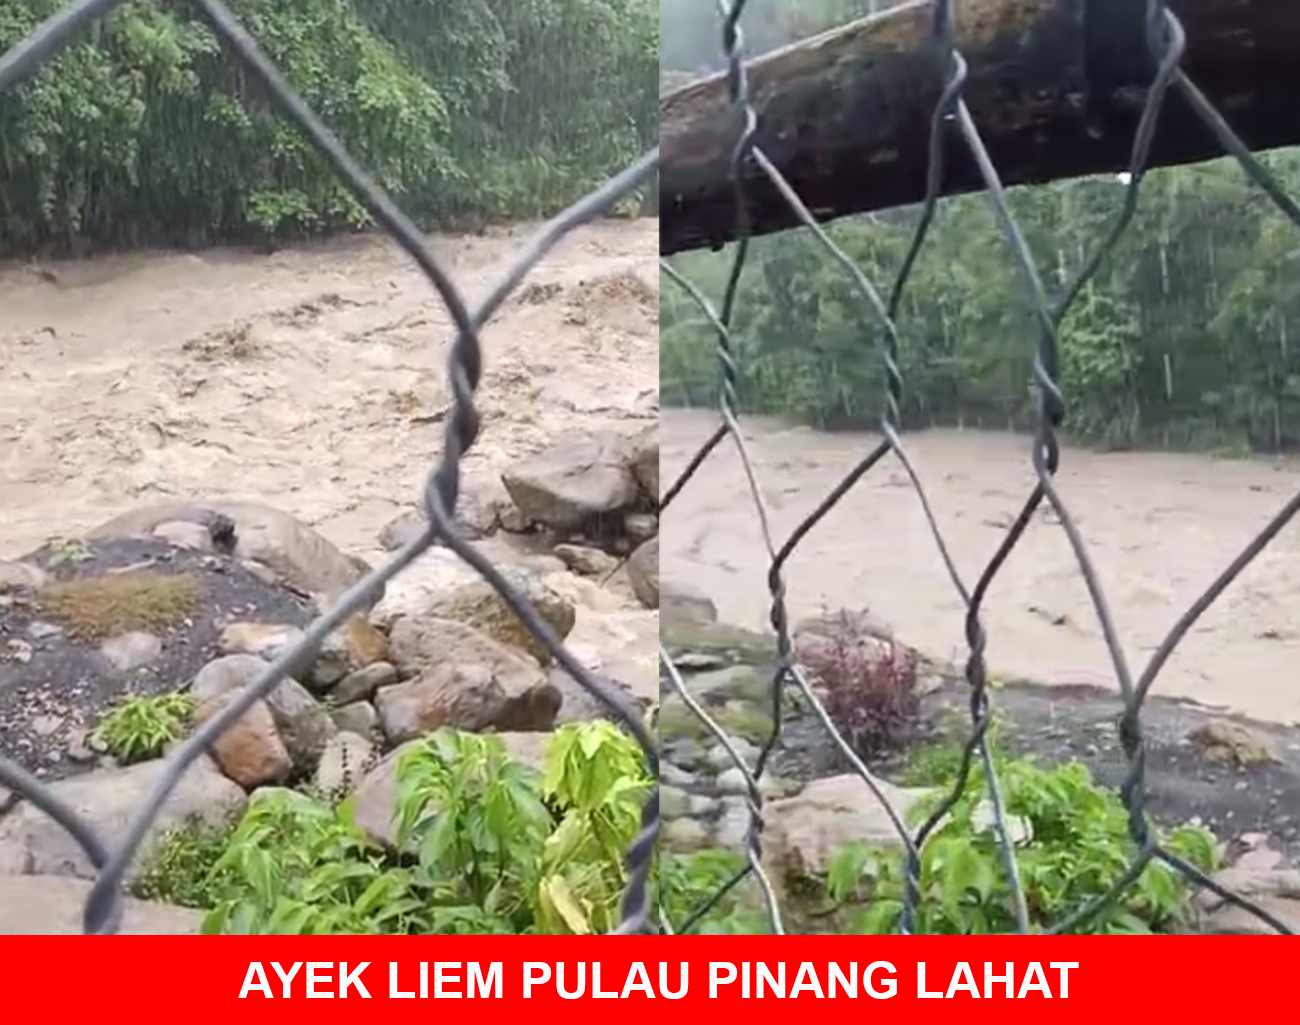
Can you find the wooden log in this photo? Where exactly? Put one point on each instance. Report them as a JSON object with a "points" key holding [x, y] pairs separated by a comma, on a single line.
{"points": [[1056, 88]]}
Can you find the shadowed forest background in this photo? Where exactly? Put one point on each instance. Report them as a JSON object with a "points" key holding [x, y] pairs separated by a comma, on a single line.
{"points": [[1184, 340]]}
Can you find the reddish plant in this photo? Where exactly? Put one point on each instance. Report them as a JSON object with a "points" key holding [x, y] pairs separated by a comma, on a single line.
{"points": [[868, 683]]}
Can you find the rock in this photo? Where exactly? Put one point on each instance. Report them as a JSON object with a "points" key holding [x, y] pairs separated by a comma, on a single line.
{"points": [[420, 644], [19, 576], [359, 717], [528, 749], [682, 602], [116, 619], [361, 684], [589, 562], [580, 477], [640, 527], [250, 751], [130, 651], [644, 449], [1276, 891], [414, 591], [806, 831], [249, 530], [374, 803], [31, 843], [267, 641], [355, 645], [476, 603], [53, 905], [186, 535], [643, 571], [467, 697], [683, 836], [302, 723], [1228, 742], [344, 763], [476, 516]]}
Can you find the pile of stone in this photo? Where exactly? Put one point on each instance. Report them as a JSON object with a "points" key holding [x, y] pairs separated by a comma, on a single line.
{"points": [[202, 596]]}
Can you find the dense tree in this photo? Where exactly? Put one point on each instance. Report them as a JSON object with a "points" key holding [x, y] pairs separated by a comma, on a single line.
{"points": [[1184, 339], [146, 131]]}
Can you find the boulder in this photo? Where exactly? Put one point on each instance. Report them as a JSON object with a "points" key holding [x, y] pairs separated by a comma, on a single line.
{"points": [[643, 572], [53, 906], [249, 530], [578, 478], [32, 843], [468, 697]]}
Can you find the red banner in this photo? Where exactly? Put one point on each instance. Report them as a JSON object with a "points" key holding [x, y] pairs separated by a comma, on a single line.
{"points": [[141, 979]]}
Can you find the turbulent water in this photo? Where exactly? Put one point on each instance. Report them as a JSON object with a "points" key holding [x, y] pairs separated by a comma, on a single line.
{"points": [[1158, 527]]}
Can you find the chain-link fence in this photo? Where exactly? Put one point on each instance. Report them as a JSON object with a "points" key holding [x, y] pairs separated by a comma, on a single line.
{"points": [[951, 117], [103, 907]]}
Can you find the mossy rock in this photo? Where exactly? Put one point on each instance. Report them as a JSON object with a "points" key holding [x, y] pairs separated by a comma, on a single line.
{"points": [[96, 608]]}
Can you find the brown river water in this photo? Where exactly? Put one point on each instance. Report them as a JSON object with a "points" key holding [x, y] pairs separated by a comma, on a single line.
{"points": [[1158, 527]]}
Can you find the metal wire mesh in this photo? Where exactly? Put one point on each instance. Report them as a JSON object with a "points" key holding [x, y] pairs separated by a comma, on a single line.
{"points": [[1166, 41], [103, 907]]}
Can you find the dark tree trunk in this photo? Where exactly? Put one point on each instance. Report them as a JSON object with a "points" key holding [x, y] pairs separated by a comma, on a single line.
{"points": [[1056, 88]]}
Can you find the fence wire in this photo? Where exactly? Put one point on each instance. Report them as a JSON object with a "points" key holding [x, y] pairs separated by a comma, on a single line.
{"points": [[103, 908], [1166, 41]]}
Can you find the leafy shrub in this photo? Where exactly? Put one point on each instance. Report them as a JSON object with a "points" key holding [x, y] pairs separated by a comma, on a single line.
{"points": [[688, 883], [868, 684], [1071, 844], [141, 727], [487, 846]]}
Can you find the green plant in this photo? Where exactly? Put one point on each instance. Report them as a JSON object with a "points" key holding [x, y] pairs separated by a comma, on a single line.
{"points": [[142, 726], [690, 883], [483, 844], [1071, 843], [179, 868]]}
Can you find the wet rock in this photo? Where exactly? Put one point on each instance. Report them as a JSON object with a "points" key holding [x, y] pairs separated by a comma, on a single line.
{"points": [[426, 643], [578, 478], [265, 640], [344, 763], [359, 717], [248, 530], [477, 516], [643, 572], [806, 831], [53, 906], [640, 527], [644, 449], [477, 603], [468, 697], [186, 535], [1226, 742], [683, 602], [32, 843], [589, 562], [250, 750], [361, 684]]}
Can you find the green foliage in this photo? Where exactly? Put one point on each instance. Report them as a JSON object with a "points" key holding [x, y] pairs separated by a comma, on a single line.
{"points": [[141, 727], [1071, 843], [486, 845], [688, 882], [1183, 340], [146, 131]]}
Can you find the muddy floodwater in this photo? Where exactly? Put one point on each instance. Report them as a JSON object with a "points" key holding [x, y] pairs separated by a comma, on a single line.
{"points": [[1159, 529]]}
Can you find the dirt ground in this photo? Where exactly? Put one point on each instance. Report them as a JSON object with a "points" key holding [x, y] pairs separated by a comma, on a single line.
{"points": [[1159, 528], [312, 379]]}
